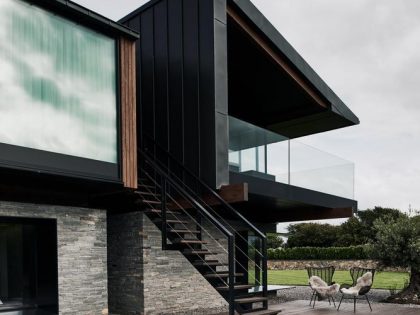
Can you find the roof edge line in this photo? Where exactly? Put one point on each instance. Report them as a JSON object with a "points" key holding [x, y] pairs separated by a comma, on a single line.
{"points": [[92, 16]]}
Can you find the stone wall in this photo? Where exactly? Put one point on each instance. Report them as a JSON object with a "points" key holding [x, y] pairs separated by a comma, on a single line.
{"points": [[339, 264], [154, 280], [82, 254], [125, 264]]}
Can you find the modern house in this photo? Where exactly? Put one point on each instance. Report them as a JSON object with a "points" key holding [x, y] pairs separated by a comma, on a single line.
{"points": [[142, 162]]}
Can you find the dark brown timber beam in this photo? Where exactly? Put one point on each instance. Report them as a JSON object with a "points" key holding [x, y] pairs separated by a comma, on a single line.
{"points": [[230, 193]]}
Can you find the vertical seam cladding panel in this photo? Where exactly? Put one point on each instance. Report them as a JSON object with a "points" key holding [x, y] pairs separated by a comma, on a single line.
{"points": [[177, 60], [161, 76], [191, 85]]}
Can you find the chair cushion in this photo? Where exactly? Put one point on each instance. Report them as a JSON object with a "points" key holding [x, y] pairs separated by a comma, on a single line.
{"points": [[316, 281], [330, 290], [362, 282], [351, 291], [365, 280]]}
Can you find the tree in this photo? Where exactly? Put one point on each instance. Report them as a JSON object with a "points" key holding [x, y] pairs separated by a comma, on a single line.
{"points": [[351, 233], [312, 234], [397, 243], [416, 220], [369, 216], [274, 240]]}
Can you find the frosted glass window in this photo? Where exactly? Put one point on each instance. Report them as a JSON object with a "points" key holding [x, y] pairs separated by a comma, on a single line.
{"points": [[57, 84]]}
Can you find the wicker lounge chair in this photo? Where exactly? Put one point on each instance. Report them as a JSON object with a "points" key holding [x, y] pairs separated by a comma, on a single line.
{"points": [[319, 289], [362, 283]]}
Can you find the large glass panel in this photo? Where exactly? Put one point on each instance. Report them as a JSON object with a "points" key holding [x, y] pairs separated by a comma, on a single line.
{"points": [[265, 154], [278, 161], [261, 162], [317, 170], [248, 160], [57, 84], [250, 143]]}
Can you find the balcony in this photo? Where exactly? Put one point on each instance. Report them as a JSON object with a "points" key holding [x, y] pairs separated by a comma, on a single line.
{"points": [[258, 152]]}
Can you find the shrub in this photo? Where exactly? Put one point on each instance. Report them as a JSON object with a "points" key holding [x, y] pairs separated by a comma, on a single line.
{"points": [[320, 253], [274, 240], [312, 235]]}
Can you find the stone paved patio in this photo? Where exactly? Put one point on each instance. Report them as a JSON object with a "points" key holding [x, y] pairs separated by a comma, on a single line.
{"points": [[304, 293], [323, 308], [299, 307]]}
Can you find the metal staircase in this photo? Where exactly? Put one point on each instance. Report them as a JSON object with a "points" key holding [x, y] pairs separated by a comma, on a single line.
{"points": [[229, 251]]}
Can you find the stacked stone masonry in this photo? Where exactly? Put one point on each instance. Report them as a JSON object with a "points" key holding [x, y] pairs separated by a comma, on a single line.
{"points": [[146, 280], [82, 254]]}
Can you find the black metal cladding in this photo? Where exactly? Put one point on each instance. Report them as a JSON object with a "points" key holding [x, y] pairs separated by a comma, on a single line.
{"points": [[182, 82]]}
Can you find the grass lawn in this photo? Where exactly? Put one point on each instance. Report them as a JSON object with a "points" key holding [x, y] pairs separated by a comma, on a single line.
{"points": [[382, 280]]}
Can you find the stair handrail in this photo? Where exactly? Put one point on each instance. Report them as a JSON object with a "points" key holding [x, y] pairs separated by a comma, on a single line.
{"points": [[173, 200], [208, 188], [230, 236], [191, 199], [260, 253], [230, 209]]}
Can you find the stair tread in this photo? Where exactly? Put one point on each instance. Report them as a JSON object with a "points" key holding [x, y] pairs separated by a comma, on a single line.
{"points": [[221, 275], [198, 252], [208, 261], [145, 186], [187, 241], [253, 299], [146, 193], [212, 264], [236, 287], [154, 202], [172, 221], [184, 231], [263, 312], [157, 211]]}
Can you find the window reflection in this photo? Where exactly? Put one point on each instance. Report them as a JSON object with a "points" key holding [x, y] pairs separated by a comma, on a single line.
{"points": [[57, 84]]}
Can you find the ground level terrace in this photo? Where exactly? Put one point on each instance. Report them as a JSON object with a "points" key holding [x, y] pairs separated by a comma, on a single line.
{"points": [[323, 308]]}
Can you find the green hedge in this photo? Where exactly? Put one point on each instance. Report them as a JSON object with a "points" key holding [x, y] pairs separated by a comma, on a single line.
{"points": [[330, 253]]}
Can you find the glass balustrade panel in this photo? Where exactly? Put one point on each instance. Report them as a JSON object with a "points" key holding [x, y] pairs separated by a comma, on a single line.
{"points": [[262, 153]]}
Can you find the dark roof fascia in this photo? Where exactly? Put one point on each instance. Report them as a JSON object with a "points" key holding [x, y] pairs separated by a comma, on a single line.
{"points": [[144, 7], [80, 14], [248, 9]]}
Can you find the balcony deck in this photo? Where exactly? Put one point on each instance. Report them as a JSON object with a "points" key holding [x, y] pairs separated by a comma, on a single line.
{"points": [[270, 201]]}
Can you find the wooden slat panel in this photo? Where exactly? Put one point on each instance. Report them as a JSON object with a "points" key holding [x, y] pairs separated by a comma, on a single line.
{"points": [[124, 113], [128, 113]]}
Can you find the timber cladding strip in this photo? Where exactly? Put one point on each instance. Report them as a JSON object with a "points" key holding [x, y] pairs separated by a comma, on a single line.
{"points": [[128, 112]]}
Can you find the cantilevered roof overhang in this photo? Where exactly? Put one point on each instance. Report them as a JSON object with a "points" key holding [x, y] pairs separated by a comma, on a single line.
{"points": [[271, 85]]}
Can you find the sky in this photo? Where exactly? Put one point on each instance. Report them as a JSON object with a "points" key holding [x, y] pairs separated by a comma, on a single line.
{"points": [[368, 52]]}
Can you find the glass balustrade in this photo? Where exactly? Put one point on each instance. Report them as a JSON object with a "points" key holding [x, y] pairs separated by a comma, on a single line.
{"points": [[262, 153]]}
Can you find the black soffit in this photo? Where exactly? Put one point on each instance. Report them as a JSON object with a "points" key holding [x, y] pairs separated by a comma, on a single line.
{"points": [[247, 9]]}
